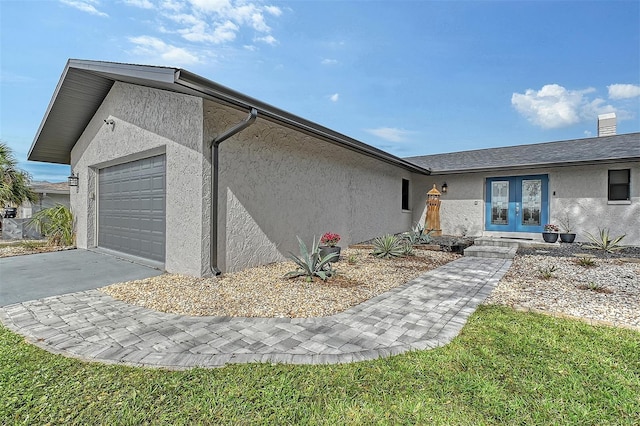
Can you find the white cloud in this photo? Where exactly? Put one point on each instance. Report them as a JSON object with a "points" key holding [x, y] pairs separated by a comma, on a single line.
{"points": [[273, 10], [390, 134], [554, 106], [143, 4], [329, 62], [334, 97], [220, 21], [88, 6], [199, 31], [623, 91], [216, 6], [269, 39], [159, 51], [588, 133], [172, 5]]}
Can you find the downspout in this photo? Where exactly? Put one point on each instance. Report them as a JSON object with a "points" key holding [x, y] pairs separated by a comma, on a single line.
{"points": [[213, 225]]}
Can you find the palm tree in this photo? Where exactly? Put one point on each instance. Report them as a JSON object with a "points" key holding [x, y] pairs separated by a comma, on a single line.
{"points": [[14, 183]]}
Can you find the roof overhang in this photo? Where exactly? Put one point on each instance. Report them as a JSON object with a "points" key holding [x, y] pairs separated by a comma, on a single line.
{"points": [[84, 85], [530, 166]]}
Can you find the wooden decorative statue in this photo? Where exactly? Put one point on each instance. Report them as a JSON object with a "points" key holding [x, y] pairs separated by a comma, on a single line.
{"points": [[432, 220]]}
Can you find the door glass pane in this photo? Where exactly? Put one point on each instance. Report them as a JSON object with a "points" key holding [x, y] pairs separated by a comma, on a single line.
{"points": [[531, 202], [499, 202]]}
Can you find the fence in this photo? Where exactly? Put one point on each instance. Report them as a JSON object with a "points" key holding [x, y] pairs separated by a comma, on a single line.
{"points": [[19, 229]]}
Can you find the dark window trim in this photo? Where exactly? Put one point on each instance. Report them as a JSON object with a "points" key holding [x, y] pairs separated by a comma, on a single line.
{"points": [[405, 194], [612, 186]]}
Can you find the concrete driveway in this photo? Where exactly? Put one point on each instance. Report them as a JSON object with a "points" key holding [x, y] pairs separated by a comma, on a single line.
{"points": [[41, 275]]}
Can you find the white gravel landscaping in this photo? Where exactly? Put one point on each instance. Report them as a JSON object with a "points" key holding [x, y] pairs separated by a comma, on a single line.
{"points": [[607, 292]]}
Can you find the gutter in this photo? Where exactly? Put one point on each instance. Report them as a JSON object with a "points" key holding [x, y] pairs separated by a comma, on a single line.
{"points": [[213, 225], [198, 86]]}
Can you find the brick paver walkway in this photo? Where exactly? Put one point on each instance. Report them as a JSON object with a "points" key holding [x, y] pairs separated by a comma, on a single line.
{"points": [[424, 313]]}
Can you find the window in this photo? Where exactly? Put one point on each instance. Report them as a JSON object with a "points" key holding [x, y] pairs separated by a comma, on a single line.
{"points": [[619, 185], [405, 194]]}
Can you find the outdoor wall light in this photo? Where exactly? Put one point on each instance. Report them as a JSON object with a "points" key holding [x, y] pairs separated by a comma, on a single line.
{"points": [[110, 122], [73, 180], [444, 187]]}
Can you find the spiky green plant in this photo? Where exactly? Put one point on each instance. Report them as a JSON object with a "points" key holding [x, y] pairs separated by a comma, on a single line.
{"points": [[311, 264], [56, 223], [602, 241], [388, 246], [418, 235], [547, 272], [585, 261], [407, 249]]}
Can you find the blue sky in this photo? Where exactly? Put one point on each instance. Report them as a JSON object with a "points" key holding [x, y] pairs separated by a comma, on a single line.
{"points": [[409, 77]]}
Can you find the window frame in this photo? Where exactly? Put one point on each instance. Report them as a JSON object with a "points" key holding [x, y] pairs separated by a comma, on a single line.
{"points": [[405, 195], [611, 185]]}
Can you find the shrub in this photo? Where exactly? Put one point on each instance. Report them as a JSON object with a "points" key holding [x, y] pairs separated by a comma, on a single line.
{"points": [[388, 246], [55, 223], [310, 264], [603, 242]]}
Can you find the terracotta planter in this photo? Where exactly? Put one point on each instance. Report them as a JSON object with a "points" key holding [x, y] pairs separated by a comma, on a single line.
{"points": [[567, 238], [550, 237], [326, 250]]}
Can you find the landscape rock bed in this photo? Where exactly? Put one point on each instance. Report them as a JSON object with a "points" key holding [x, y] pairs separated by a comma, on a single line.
{"points": [[579, 249], [608, 292], [264, 292]]}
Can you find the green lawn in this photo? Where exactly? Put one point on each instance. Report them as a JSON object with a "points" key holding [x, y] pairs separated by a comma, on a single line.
{"points": [[505, 367]]}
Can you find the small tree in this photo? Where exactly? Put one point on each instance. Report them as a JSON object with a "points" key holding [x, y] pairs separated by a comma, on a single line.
{"points": [[56, 223], [14, 183]]}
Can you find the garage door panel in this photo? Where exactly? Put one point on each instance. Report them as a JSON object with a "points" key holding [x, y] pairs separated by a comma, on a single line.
{"points": [[131, 209]]}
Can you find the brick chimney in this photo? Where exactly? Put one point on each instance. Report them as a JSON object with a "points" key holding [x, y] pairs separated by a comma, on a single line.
{"points": [[607, 124]]}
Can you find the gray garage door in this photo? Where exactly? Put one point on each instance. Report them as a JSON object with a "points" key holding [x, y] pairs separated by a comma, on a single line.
{"points": [[131, 208]]}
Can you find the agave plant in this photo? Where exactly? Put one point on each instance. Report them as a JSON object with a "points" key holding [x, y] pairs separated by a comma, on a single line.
{"points": [[418, 235], [603, 242], [388, 246], [55, 223], [311, 264]]}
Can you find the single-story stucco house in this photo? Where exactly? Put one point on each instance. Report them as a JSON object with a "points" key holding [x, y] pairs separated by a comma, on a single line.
{"points": [[197, 178], [49, 194], [513, 191]]}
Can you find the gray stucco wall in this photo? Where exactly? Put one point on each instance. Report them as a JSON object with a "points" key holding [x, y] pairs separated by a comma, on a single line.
{"points": [[147, 122], [277, 183], [580, 191]]}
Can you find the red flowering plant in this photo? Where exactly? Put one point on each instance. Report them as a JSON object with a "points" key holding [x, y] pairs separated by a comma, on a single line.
{"points": [[330, 239], [549, 227]]}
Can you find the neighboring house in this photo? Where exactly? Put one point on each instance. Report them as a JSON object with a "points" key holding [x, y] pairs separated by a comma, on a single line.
{"points": [[195, 177], [514, 191], [19, 226], [49, 195], [139, 138]]}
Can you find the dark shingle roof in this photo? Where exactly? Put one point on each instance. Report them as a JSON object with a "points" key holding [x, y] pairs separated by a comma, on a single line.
{"points": [[50, 187], [578, 151]]}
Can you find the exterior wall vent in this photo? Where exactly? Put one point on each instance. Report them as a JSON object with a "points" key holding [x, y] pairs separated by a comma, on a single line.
{"points": [[607, 124]]}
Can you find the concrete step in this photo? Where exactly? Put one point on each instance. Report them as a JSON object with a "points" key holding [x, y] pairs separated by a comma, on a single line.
{"points": [[497, 252], [496, 242]]}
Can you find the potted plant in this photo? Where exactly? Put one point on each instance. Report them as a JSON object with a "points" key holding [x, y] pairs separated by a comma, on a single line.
{"points": [[328, 245], [566, 236], [550, 234]]}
